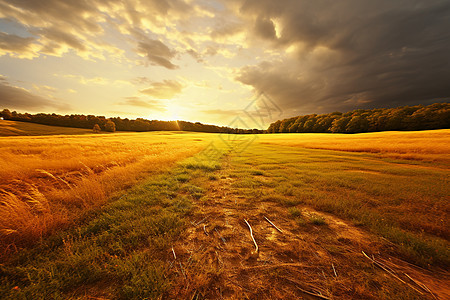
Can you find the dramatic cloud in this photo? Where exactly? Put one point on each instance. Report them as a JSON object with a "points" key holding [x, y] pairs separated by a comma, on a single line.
{"points": [[265, 28], [18, 98], [60, 26], [57, 25], [166, 89], [307, 56], [81, 14], [350, 54]]}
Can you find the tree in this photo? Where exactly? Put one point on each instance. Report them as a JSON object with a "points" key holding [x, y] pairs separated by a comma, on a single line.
{"points": [[274, 127], [339, 125], [110, 126], [284, 125], [310, 123], [357, 124], [96, 128], [6, 114]]}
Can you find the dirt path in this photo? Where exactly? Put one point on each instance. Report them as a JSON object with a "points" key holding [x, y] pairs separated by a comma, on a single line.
{"points": [[308, 260]]}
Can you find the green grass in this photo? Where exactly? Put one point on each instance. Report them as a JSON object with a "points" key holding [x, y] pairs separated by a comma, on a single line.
{"points": [[295, 212], [207, 165], [317, 220], [297, 215]]}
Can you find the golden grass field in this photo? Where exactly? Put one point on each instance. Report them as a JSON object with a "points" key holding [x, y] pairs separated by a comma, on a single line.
{"points": [[427, 145], [333, 195], [47, 182]]}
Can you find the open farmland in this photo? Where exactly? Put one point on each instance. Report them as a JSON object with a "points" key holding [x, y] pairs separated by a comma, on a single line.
{"points": [[179, 232], [46, 183]]}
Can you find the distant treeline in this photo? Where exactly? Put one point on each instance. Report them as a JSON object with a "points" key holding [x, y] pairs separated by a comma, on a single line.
{"points": [[434, 116], [89, 121]]}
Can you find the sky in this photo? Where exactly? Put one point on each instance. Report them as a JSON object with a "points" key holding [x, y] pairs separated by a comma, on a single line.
{"points": [[222, 62]]}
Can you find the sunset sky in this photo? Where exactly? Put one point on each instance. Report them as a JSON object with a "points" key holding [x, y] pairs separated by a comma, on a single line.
{"points": [[205, 61]]}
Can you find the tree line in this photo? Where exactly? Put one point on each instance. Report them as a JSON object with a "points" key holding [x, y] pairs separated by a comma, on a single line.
{"points": [[419, 117], [98, 123]]}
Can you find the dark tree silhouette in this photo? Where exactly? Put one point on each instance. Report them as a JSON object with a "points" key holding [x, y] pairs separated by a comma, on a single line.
{"points": [[419, 117], [112, 124]]}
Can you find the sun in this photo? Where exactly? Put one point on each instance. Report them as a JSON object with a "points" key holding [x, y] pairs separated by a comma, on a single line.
{"points": [[173, 112]]}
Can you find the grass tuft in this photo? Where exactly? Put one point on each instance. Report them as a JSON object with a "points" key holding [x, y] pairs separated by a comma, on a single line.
{"points": [[204, 166], [295, 212], [317, 220]]}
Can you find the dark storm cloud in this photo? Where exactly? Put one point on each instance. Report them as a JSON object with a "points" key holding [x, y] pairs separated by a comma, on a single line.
{"points": [[352, 53], [18, 98], [265, 28]]}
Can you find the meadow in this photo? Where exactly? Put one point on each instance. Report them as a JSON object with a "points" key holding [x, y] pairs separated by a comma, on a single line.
{"points": [[420, 146], [159, 215], [394, 183], [48, 182]]}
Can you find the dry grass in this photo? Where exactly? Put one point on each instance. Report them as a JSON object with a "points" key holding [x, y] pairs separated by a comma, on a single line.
{"points": [[428, 145], [46, 183]]}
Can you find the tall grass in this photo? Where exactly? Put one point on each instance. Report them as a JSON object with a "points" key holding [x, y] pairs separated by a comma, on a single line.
{"points": [[48, 182]]}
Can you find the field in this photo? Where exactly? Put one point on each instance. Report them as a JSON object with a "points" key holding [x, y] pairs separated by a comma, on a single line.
{"points": [[46, 183], [353, 216], [13, 128]]}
